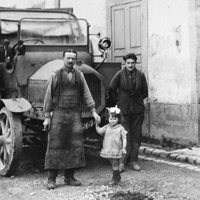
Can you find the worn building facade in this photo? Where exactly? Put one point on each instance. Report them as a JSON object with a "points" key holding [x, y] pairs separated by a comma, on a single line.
{"points": [[173, 69]]}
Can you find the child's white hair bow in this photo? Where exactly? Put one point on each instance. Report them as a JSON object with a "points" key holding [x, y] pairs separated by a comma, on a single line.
{"points": [[114, 110]]}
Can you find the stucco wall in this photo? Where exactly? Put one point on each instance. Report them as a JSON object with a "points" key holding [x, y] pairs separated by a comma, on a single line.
{"points": [[173, 71], [169, 61]]}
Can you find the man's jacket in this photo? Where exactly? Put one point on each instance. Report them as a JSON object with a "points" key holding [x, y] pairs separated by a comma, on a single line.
{"points": [[123, 95]]}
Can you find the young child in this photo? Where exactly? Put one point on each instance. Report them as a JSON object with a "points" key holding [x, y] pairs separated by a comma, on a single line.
{"points": [[114, 142]]}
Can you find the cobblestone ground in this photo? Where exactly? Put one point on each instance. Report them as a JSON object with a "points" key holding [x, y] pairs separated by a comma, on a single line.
{"points": [[159, 179]]}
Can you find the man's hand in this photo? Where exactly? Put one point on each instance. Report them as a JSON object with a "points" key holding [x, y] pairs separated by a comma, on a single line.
{"points": [[96, 117], [47, 123]]}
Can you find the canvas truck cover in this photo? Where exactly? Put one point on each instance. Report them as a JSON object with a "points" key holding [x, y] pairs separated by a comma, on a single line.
{"points": [[44, 24], [11, 18]]}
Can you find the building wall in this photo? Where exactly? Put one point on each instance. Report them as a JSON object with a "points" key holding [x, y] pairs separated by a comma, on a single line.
{"points": [[172, 69]]}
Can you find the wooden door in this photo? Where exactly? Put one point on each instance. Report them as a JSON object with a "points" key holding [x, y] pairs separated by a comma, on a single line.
{"points": [[126, 31]]}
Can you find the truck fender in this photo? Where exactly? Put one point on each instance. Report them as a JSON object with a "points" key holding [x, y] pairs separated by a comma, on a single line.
{"points": [[16, 105]]}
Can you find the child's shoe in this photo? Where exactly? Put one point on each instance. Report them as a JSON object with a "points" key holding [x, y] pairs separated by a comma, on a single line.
{"points": [[116, 178]]}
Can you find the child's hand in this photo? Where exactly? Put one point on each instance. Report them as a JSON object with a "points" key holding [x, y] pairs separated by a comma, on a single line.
{"points": [[97, 123], [124, 151]]}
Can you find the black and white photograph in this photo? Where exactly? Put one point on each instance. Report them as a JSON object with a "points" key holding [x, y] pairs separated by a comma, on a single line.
{"points": [[99, 100]]}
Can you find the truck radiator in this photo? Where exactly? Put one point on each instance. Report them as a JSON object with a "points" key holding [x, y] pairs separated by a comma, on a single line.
{"points": [[36, 92], [95, 88]]}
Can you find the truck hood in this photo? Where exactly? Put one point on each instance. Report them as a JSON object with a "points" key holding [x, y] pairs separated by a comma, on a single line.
{"points": [[46, 70]]}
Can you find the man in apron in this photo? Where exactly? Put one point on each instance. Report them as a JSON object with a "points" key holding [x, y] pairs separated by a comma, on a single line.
{"points": [[66, 89]]}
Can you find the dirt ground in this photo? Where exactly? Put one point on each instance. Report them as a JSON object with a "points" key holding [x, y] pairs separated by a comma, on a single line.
{"points": [[155, 181]]}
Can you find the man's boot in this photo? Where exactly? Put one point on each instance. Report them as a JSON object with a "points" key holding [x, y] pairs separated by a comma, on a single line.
{"points": [[135, 166], [52, 174], [69, 178]]}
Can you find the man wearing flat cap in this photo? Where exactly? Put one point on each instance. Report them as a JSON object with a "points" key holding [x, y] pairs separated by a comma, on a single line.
{"points": [[128, 89]]}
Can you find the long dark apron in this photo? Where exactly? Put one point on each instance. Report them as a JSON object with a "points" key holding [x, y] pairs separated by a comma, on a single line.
{"points": [[65, 140]]}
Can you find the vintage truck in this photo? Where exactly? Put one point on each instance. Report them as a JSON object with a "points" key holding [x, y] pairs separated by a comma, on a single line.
{"points": [[31, 46]]}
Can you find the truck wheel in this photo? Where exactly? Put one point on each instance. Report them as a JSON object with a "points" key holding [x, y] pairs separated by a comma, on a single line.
{"points": [[11, 141]]}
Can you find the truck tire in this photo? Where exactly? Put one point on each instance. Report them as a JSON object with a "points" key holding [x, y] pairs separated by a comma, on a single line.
{"points": [[10, 151]]}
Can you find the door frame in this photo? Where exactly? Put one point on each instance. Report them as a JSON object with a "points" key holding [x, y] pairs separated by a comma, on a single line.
{"points": [[144, 36]]}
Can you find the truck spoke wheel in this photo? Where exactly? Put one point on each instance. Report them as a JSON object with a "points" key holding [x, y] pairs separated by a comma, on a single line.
{"points": [[10, 141]]}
